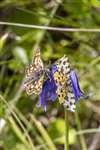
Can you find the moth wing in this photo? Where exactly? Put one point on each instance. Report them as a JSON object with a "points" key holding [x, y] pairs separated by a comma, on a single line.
{"points": [[62, 94], [70, 101], [64, 65], [61, 86], [65, 68]]}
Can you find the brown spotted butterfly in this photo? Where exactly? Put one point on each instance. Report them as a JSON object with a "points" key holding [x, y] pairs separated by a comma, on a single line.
{"points": [[34, 75]]}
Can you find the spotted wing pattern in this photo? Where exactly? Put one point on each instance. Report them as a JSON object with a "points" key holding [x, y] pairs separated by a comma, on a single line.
{"points": [[61, 86], [64, 85], [34, 75]]}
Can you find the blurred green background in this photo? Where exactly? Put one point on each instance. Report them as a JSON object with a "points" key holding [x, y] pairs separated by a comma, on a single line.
{"points": [[22, 125]]}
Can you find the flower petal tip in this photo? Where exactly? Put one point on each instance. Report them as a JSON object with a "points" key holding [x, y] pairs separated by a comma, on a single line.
{"points": [[76, 88], [89, 95]]}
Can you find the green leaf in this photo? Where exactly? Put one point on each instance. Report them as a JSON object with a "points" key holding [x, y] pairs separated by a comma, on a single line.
{"points": [[57, 131], [20, 54], [95, 3], [3, 40]]}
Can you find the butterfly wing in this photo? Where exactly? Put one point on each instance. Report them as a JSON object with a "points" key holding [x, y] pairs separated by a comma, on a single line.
{"points": [[36, 66], [34, 87], [34, 75]]}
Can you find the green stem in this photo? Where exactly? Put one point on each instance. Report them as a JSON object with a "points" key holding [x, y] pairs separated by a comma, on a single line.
{"points": [[43, 132], [29, 144], [82, 139], [66, 130]]}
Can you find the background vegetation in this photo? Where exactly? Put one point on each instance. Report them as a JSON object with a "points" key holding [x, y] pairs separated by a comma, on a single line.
{"points": [[22, 125]]}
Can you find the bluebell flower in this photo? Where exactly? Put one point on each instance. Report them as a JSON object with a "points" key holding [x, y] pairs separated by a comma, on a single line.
{"points": [[78, 93], [76, 88], [54, 69], [48, 91]]}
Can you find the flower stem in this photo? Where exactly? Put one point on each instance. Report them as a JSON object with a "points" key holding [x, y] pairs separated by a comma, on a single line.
{"points": [[82, 139], [66, 130]]}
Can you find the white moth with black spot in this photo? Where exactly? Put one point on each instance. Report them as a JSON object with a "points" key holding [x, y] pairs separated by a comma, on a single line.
{"points": [[64, 84]]}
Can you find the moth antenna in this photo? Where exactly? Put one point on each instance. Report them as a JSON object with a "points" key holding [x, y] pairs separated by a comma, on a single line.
{"points": [[36, 54]]}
